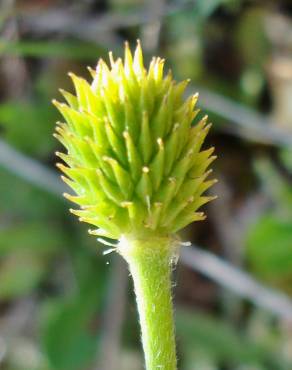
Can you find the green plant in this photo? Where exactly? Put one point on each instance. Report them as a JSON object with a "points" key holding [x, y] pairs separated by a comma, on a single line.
{"points": [[136, 166]]}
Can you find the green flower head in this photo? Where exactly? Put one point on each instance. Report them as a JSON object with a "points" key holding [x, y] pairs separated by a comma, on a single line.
{"points": [[133, 149]]}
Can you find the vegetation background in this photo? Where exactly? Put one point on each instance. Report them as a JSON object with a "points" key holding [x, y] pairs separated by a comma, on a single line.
{"points": [[66, 306]]}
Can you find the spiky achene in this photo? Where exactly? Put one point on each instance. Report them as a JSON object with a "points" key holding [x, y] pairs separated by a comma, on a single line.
{"points": [[134, 158]]}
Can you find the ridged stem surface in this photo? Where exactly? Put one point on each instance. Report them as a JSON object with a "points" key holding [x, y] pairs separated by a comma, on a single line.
{"points": [[150, 266]]}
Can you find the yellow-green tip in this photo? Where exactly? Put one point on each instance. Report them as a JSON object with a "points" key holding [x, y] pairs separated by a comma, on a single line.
{"points": [[133, 149]]}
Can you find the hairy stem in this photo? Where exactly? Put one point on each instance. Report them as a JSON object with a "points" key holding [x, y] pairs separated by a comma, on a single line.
{"points": [[150, 266]]}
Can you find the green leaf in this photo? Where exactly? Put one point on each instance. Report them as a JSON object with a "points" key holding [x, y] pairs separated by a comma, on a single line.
{"points": [[269, 250], [17, 197], [67, 342], [28, 126], [201, 332], [54, 49], [20, 273], [39, 238], [69, 336]]}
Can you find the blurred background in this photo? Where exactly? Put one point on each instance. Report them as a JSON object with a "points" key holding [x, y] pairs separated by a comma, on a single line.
{"points": [[66, 306]]}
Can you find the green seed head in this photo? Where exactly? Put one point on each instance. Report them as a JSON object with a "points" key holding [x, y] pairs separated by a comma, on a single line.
{"points": [[133, 151]]}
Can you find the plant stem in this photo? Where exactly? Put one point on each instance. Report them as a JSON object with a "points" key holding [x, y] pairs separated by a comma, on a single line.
{"points": [[150, 266]]}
